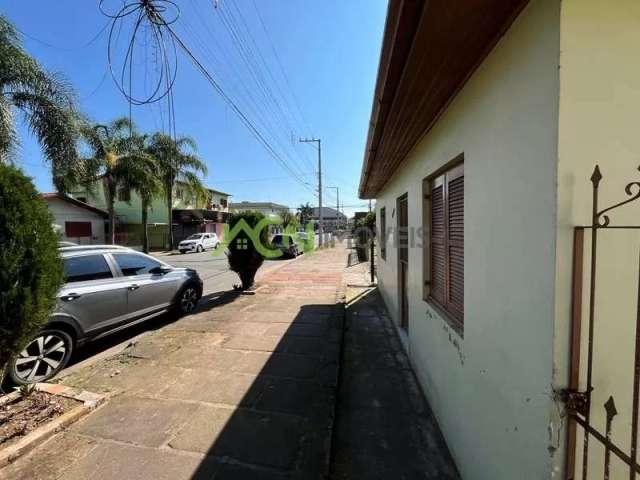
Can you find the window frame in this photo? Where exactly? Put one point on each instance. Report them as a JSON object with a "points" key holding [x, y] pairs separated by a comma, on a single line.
{"points": [[115, 255], [72, 228], [442, 176], [110, 269], [383, 233]]}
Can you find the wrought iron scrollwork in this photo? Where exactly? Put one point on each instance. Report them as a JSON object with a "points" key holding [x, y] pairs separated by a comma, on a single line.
{"points": [[601, 220]]}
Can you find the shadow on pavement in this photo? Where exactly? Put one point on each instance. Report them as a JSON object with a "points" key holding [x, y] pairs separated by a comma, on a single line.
{"points": [[281, 425], [384, 426]]}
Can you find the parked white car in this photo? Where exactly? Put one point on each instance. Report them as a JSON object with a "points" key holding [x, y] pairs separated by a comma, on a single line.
{"points": [[199, 242]]}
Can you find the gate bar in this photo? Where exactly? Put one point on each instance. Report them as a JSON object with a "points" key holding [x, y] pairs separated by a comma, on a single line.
{"points": [[636, 385], [576, 335]]}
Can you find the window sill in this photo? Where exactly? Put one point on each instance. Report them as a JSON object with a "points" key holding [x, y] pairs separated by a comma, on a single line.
{"points": [[454, 324]]}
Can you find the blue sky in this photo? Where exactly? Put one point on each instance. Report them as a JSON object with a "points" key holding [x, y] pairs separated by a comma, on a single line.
{"points": [[329, 51]]}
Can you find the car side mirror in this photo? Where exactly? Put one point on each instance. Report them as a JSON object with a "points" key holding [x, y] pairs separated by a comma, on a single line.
{"points": [[159, 270]]}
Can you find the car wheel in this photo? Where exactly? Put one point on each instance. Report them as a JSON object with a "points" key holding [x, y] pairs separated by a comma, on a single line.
{"points": [[42, 358], [199, 248], [187, 300]]}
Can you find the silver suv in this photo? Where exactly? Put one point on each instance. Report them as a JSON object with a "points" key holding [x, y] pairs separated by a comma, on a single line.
{"points": [[107, 288]]}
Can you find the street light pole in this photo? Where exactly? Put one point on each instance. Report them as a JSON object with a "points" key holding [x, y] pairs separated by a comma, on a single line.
{"points": [[320, 219]]}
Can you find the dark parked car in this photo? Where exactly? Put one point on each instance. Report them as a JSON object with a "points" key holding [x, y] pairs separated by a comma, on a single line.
{"points": [[107, 288], [286, 244]]}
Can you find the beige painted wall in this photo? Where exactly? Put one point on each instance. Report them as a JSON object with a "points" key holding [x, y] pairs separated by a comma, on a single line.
{"points": [[599, 124], [491, 391], [63, 212]]}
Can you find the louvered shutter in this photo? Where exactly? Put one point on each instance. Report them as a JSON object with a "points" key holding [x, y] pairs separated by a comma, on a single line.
{"points": [[455, 243], [437, 243]]}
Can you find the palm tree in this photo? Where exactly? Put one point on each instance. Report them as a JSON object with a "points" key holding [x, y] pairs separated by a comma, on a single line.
{"points": [[115, 159], [177, 162], [142, 177], [305, 212], [44, 101]]}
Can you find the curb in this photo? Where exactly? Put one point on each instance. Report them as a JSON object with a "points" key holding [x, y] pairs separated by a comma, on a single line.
{"points": [[35, 438], [340, 315]]}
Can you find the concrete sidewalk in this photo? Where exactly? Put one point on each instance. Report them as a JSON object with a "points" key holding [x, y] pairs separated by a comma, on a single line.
{"points": [[384, 427], [244, 388]]}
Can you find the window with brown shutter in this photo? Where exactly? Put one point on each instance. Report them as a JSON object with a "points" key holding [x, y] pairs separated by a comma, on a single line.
{"points": [[77, 229], [383, 233], [444, 257]]}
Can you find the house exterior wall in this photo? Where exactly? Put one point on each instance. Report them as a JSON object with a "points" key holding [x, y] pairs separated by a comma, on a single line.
{"points": [[65, 212], [599, 105], [131, 212], [491, 390]]}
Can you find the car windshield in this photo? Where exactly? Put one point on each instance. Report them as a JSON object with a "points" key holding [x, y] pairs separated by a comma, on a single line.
{"points": [[197, 236]]}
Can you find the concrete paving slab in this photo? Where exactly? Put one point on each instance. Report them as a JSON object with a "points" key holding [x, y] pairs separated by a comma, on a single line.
{"points": [[251, 342], [114, 461], [215, 358], [291, 366], [296, 397], [229, 388], [50, 460], [140, 421], [265, 439]]}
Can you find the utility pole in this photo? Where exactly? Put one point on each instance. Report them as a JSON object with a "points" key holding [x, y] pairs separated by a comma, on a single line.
{"points": [[320, 219], [369, 205], [337, 206]]}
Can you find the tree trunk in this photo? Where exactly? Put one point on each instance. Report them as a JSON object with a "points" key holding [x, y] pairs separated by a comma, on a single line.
{"points": [[170, 213], [110, 193], [145, 233]]}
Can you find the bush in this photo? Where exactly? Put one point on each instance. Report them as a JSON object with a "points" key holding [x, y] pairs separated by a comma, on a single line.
{"points": [[30, 267], [244, 258]]}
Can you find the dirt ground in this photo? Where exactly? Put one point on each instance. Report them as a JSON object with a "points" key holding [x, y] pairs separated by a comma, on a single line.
{"points": [[26, 413]]}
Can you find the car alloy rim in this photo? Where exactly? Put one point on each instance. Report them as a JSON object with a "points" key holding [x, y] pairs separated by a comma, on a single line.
{"points": [[40, 358], [189, 299]]}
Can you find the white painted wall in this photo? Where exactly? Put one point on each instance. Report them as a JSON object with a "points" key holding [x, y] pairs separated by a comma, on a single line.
{"points": [[599, 105], [66, 212], [491, 391]]}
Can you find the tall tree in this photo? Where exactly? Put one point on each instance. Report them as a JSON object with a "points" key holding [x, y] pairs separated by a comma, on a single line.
{"points": [[305, 213], [177, 162], [149, 186], [116, 151], [45, 102]]}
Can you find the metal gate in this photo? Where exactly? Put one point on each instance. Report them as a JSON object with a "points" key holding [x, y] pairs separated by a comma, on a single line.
{"points": [[595, 440]]}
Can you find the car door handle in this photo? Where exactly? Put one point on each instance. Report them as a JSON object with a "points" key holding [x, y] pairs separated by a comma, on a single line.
{"points": [[70, 297], [134, 286]]}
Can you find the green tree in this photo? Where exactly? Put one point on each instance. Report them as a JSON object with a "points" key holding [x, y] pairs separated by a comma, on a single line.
{"points": [[44, 101], [288, 220], [177, 161], [244, 258], [30, 268], [116, 149], [305, 213], [148, 187]]}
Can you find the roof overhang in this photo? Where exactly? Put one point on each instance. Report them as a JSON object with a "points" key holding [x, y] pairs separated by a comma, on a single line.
{"points": [[430, 49], [75, 202]]}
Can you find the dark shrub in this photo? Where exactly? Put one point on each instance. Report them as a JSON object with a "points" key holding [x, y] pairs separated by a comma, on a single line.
{"points": [[30, 268], [244, 258]]}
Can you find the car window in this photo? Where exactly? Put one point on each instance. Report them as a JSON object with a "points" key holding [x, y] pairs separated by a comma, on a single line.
{"points": [[133, 264], [194, 237], [277, 239], [89, 267]]}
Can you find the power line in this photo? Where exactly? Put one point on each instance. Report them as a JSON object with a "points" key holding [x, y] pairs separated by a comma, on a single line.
{"points": [[235, 108]]}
